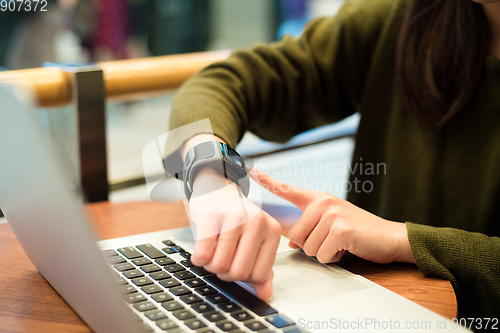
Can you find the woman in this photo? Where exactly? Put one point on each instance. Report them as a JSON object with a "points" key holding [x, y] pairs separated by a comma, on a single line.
{"points": [[425, 77]]}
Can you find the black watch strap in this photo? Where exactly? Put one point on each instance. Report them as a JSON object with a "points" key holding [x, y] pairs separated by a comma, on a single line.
{"points": [[221, 158]]}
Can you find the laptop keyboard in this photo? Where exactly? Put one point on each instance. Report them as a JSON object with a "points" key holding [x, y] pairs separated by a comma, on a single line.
{"points": [[168, 293]]}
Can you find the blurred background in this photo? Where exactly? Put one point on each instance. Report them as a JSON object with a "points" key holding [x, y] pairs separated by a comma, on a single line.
{"points": [[99, 30], [102, 30]]}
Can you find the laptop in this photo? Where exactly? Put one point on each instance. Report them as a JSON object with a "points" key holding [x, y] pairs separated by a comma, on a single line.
{"points": [[146, 282]]}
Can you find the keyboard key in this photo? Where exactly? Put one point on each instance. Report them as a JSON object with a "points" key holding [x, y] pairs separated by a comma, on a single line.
{"points": [[242, 315], [178, 291], [160, 275], [255, 325], [164, 261], [144, 306], [168, 243], [183, 314], [109, 253], [193, 283], [150, 268], [280, 320], [128, 289], [214, 316], [129, 252], [184, 275], [229, 307], [141, 261], [123, 267], [226, 326], [206, 290], [172, 305], [169, 283], [115, 260], [243, 296], [121, 281], [166, 324], [150, 251], [152, 289], [177, 248], [174, 268], [162, 297], [134, 298], [155, 315], [185, 254], [200, 271], [194, 324], [190, 299], [133, 274], [217, 298], [168, 250], [187, 263], [202, 307], [142, 281]]}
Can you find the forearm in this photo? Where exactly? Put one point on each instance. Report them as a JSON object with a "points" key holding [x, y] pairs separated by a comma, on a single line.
{"points": [[281, 89]]}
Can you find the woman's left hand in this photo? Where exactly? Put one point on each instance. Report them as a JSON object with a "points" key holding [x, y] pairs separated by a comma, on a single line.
{"points": [[329, 226]]}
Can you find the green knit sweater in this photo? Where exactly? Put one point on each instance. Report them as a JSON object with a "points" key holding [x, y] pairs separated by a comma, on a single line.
{"points": [[447, 184]]}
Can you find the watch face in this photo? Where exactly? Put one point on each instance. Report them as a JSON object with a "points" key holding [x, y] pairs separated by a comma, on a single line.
{"points": [[233, 156]]}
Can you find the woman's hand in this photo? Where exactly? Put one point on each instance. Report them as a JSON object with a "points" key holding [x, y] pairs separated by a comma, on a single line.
{"points": [[329, 226], [234, 238]]}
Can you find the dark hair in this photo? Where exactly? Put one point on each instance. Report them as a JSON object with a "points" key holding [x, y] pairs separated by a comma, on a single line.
{"points": [[440, 57]]}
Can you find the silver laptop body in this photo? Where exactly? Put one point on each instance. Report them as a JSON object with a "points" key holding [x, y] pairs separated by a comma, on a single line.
{"points": [[47, 218]]}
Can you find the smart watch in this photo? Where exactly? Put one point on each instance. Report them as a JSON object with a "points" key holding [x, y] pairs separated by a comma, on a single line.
{"points": [[220, 157]]}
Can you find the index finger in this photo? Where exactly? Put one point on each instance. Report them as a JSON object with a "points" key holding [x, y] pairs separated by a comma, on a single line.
{"points": [[298, 196]]}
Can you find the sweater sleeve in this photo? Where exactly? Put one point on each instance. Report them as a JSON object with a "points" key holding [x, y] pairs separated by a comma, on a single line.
{"points": [[469, 260], [279, 90]]}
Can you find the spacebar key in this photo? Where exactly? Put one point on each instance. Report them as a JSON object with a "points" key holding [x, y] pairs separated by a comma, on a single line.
{"points": [[243, 296], [151, 251]]}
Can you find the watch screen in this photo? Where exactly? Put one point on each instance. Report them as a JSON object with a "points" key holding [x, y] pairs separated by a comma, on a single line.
{"points": [[235, 157]]}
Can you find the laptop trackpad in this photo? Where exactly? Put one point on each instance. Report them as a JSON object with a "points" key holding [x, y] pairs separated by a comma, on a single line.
{"points": [[299, 279]]}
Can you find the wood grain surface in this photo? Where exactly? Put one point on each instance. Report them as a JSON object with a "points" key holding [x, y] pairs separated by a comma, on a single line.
{"points": [[29, 304]]}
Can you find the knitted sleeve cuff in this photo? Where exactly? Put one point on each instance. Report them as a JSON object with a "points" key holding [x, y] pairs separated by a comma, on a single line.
{"points": [[469, 260]]}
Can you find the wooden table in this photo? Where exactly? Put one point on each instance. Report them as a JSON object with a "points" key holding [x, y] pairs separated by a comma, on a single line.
{"points": [[29, 304]]}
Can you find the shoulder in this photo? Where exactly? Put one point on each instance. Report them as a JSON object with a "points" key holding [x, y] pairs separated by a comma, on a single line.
{"points": [[360, 22], [367, 18], [369, 12]]}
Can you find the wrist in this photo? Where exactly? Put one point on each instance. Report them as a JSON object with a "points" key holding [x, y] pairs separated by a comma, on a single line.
{"points": [[404, 251], [209, 157], [208, 180], [205, 179]]}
